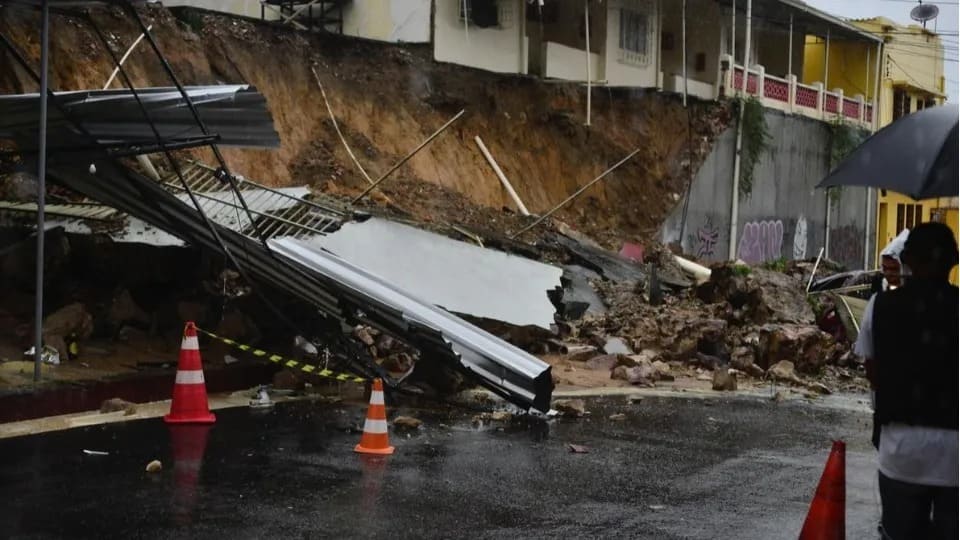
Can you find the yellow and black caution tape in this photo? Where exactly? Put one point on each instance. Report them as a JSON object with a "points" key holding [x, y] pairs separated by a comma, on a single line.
{"points": [[287, 362]]}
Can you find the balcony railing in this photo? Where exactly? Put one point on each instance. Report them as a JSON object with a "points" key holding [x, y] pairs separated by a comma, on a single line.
{"points": [[793, 97]]}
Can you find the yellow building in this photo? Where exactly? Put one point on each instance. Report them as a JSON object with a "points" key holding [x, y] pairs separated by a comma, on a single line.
{"points": [[911, 79]]}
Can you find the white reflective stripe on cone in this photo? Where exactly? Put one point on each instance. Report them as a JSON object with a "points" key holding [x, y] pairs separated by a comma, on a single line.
{"points": [[190, 343], [375, 426], [376, 398], [190, 377]]}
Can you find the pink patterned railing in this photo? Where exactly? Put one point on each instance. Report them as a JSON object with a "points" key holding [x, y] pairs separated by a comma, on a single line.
{"points": [[807, 97], [751, 81], [776, 89], [832, 104], [851, 108]]}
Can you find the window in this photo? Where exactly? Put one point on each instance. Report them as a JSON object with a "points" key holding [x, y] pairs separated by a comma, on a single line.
{"points": [[700, 62], [481, 13], [634, 37], [909, 216]]}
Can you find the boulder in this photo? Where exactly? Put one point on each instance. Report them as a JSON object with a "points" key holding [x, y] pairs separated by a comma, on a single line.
{"points": [[723, 380], [363, 335], [603, 362], [70, 319], [407, 422], [807, 347], [570, 408], [117, 404], [783, 371]]}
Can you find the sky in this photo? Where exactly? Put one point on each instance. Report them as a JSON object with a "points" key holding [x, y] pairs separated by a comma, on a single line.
{"points": [[899, 11]]}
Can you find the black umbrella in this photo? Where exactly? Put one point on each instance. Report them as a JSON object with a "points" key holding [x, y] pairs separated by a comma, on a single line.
{"points": [[916, 156]]}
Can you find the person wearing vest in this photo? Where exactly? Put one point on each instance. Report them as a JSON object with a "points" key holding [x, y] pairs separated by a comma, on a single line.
{"points": [[909, 338]]}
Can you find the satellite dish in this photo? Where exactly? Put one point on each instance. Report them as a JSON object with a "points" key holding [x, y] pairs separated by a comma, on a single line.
{"points": [[924, 13]]}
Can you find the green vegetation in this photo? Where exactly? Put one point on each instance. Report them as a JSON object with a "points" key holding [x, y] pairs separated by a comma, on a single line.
{"points": [[756, 141]]}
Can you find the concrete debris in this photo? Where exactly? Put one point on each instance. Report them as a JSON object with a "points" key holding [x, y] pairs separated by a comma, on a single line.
{"points": [[761, 295], [643, 374], [617, 416], [723, 380], [603, 362], [616, 346], [407, 422], [117, 404], [807, 347], [362, 334], [570, 408], [819, 388], [95, 453], [578, 297], [154, 466], [578, 449], [783, 371], [779, 397]]}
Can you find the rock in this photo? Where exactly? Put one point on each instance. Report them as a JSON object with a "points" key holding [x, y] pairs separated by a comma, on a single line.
{"points": [[287, 380], [707, 361], [117, 404], [762, 295], [72, 319], [154, 466], [616, 345], [603, 362], [618, 416], [779, 396], [570, 408], [397, 363], [578, 449], [783, 371], [819, 388], [723, 380], [662, 370], [642, 374], [501, 416], [362, 334], [407, 422], [386, 345], [807, 347], [123, 309]]}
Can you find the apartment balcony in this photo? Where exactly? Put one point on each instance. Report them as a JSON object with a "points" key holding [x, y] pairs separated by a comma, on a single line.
{"points": [[790, 96]]}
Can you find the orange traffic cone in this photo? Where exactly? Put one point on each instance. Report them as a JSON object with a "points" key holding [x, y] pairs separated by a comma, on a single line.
{"points": [[189, 391], [375, 439], [826, 519], [189, 443]]}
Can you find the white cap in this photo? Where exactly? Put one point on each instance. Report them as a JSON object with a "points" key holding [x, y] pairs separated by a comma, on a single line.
{"points": [[895, 247]]}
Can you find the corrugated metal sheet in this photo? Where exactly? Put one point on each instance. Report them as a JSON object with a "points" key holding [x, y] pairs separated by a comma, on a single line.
{"points": [[236, 115]]}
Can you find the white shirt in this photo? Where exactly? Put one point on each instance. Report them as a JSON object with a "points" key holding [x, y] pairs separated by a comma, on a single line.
{"points": [[915, 454]]}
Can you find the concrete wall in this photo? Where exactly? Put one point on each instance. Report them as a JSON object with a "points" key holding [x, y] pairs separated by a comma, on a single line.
{"points": [[705, 23], [562, 62], [784, 217], [501, 49], [398, 21]]}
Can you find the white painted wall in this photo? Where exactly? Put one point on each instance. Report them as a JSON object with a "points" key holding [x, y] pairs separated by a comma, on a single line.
{"points": [[562, 62], [619, 70], [245, 8], [500, 49], [398, 21]]}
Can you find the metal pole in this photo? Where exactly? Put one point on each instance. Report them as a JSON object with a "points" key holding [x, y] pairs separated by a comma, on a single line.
{"points": [[408, 156], [735, 195], [575, 194], [586, 19], [876, 89], [683, 47], [826, 65], [790, 49], [733, 32], [41, 185]]}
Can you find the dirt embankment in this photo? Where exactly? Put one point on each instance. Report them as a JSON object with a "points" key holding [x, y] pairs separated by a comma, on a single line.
{"points": [[387, 98]]}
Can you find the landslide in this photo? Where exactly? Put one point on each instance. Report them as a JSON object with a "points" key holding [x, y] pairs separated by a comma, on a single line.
{"points": [[387, 98]]}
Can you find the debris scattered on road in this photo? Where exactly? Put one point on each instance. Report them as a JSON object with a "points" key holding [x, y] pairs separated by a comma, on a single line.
{"points": [[117, 404], [407, 422], [618, 416], [96, 453], [783, 371], [723, 380], [154, 466], [578, 449], [570, 408]]}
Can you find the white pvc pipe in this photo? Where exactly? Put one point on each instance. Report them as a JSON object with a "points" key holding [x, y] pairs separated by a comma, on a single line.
{"points": [[586, 19], [735, 196], [501, 176], [698, 271], [124, 58]]}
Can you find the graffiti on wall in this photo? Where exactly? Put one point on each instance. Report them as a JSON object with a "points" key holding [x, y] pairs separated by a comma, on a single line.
{"points": [[846, 246], [705, 239], [800, 239], [761, 241]]}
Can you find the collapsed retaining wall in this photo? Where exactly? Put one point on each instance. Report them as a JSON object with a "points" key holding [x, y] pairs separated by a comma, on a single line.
{"points": [[785, 216]]}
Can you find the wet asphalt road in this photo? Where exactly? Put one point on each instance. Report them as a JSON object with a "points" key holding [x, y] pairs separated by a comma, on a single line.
{"points": [[675, 468]]}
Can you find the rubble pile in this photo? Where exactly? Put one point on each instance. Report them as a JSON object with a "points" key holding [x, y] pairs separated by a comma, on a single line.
{"points": [[746, 321]]}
